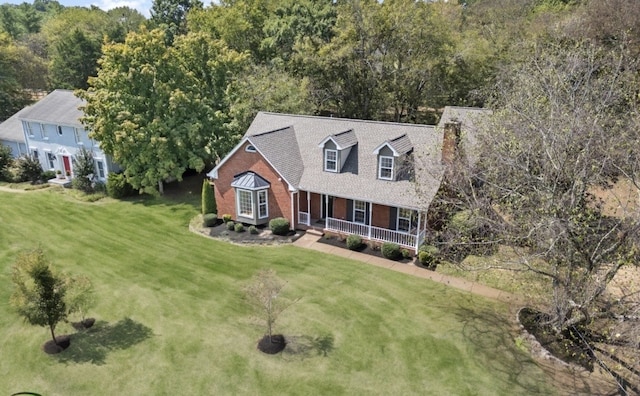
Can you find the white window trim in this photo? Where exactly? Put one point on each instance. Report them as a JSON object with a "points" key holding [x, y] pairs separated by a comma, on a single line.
{"points": [[326, 160], [76, 133], [30, 129], [51, 159], [43, 132], [250, 149], [238, 207], [398, 218], [363, 211], [380, 167], [104, 172], [265, 204]]}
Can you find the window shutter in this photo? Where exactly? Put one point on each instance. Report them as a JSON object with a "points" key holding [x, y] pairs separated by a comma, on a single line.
{"points": [[366, 213], [393, 217], [349, 210]]}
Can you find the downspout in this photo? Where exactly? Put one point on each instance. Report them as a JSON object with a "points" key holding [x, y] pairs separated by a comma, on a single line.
{"points": [[309, 208], [293, 220]]}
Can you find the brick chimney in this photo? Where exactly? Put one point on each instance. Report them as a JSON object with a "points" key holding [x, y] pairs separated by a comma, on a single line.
{"points": [[451, 141]]}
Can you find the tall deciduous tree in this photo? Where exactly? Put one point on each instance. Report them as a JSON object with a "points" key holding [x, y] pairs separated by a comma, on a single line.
{"points": [[39, 293], [160, 110], [565, 127], [12, 96], [171, 16], [74, 61]]}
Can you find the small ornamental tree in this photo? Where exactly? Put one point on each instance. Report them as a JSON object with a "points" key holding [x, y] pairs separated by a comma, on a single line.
{"points": [[208, 199], [28, 169], [263, 294], [39, 294], [5, 160]]}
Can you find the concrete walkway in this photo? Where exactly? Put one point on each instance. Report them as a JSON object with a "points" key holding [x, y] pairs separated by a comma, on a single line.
{"points": [[310, 241]]}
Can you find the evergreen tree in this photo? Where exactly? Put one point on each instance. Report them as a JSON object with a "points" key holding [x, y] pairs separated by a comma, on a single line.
{"points": [[208, 199]]}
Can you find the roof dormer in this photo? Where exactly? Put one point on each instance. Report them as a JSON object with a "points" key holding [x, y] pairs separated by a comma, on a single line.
{"points": [[392, 155], [336, 149]]}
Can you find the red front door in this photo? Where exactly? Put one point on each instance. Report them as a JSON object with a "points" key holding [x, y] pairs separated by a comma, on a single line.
{"points": [[67, 164]]}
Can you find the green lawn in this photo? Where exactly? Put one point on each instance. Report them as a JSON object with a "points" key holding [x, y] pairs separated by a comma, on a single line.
{"points": [[172, 319]]}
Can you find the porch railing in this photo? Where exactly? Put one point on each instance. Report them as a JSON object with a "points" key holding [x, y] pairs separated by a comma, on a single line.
{"points": [[303, 218], [373, 233]]}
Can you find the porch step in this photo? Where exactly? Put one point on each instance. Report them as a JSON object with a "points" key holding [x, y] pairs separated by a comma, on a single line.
{"points": [[313, 231]]}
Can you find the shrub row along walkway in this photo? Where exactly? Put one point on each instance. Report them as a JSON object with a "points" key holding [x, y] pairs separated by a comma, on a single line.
{"points": [[310, 241]]}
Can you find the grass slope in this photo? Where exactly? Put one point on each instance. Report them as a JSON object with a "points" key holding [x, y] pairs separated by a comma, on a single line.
{"points": [[172, 319]]}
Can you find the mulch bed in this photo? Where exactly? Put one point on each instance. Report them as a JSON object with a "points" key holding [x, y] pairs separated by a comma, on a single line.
{"points": [[264, 235], [52, 348], [84, 324], [272, 346], [364, 248]]}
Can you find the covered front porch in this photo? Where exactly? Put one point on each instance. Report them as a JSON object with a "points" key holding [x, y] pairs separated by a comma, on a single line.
{"points": [[371, 221]]}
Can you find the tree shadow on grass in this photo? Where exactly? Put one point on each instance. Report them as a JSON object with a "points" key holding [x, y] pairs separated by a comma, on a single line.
{"points": [[306, 346], [93, 345], [494, 336]]}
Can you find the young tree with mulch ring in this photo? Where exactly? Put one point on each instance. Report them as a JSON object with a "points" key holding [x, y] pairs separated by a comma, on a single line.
{"points": [[263, 294], [39, 295]]}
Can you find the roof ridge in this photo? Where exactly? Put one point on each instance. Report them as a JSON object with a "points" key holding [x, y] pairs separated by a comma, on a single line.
{"points": [[273, 131], [343, 132], [404, 124]]}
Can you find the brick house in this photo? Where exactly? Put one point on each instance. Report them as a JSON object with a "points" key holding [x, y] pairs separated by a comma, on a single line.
{"points": [[339, 175]]}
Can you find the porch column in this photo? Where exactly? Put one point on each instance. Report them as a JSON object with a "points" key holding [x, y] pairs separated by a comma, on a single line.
{"points": [[309, 208], [370, 215], [293, 210], [326, 208], [418, 232]]}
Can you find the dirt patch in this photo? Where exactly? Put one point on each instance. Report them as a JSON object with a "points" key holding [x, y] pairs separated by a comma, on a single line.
{"points": [[272, 345], [51, 348]]}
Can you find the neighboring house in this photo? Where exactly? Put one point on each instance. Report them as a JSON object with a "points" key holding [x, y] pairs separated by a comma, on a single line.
{"points": [[12, 135], [339, 175], [54, 135]]}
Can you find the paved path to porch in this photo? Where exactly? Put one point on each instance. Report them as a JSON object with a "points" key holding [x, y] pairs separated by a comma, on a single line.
{"points": [[311, 241]]}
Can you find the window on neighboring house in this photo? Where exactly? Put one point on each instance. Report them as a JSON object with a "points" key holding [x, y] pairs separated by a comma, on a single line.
{"points": [[29, 128], [245, 203], [43, 132], [100, 168], [34, 154], [359, 212], [405, 217], [263, 206], [330, 160], [385, 168], [52, 160], [76, 133], [59, 130]]}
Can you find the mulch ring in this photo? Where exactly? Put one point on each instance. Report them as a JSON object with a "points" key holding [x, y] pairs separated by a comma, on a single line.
{"points": [[52, 348], [272, 345], [365, 248], [84, 324]]}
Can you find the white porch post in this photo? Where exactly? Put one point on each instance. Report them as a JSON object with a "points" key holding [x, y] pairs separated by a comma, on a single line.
{"points": [[326, 208], [293, 219], [309, 208], [298, 200], [418, 232], [370, 216]]}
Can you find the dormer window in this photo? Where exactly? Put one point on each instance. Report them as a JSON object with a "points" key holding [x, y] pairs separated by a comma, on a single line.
{"points": [[330, 160], [336, 149], [385, 168]]}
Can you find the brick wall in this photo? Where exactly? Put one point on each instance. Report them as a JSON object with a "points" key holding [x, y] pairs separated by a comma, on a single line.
{"points": [[242, 161]]}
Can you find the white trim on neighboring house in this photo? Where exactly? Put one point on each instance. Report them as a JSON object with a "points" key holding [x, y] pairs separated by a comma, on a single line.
{"points": [[43, 132], [76, 134], [97, 163], [389, 168], [327, 160]]}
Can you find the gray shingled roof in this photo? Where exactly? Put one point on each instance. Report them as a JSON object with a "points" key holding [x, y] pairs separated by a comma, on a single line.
{"points": [[11, 129], [292, 141], [401, 145], [60, 107], [344, 139], [279, 146], [471, 119], [250, 181]]}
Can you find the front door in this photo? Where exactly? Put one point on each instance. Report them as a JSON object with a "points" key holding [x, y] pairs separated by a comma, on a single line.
{"points": [[327, 207], [67, 164]]}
